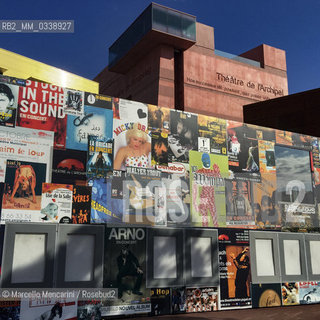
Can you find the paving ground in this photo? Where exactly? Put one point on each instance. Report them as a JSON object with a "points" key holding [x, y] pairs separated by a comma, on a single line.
{"points": [[306, 312]]}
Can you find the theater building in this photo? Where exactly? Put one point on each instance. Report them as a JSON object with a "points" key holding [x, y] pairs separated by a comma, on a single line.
{"points": [[167, 58]]}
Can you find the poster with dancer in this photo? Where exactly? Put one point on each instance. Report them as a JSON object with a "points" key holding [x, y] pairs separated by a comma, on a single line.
{"points": [[207, 187], [234, 268]]}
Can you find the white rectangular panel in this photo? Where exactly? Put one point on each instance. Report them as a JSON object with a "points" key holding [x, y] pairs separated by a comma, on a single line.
{"points": [[29, 253], [164, 258], [264, 257], [292, 257], [315, 256], [79, 257], [201, 263]]}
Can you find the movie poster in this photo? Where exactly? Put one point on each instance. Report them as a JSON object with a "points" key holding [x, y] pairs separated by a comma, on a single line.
{"points": [[81, 204], [125, 270], [294, 188], [290, 293], [160, 301], [239, 204], [207, 189], [9, 95], [234, 268], [158, 118], [202, 299], [266, 207], [25, 145], [266, 295], [132, 144], [178, 193], [178, 300], [144, 197], [23, 187], [95, 121], [183, 135], [47, 308], [104, 208], [73, 102], [242, 152], [56, 203], [100, 157], [159, 148], [40, 106], [69, 166], [10, 310], [89, 310], [267, 159], [309, 292], [212, 135]]}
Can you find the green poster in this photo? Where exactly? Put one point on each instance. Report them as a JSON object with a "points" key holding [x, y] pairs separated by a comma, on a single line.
{"points": [[207, 186]]}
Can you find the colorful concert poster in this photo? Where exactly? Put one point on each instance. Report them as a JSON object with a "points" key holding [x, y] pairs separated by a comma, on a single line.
{"points": [[158, 118], [202, 299], [73, 102], [9, 95], [267, 159], [40, 106], [125, 270], [239, 204], [95, 121], [56, 203], [234, 268], [242, 152], [23, 187], [81, 204], [290, 293], [212, 133], [183, 135], [295, 188], [144, 197], [69, 166], [266, 295], [160, 301], [132, 145], [309, 292], [100, 157], [266, 207], [24, 144], [207, 187], [104, 208]]}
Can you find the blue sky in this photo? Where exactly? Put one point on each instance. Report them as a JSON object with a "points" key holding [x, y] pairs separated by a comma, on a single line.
{"points": [[291, 25]]}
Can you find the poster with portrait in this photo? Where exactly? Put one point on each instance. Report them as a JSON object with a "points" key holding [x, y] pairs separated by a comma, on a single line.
{"points": [[234, 268], [266, 295], [266, 206], [207, 189], [212, 132], [9, 95], [290, 293], [69, 166], [144, 195], [183, 135], [100, 156], [81, 204], [178, 300], [295, 196], [239, 203], [40, 106], [73, 102], [56, 203], [242, 152], [177, 186], [104, 208], [202, 299], [159, 148], [22, 194], [158, 118], [25, 145], [48, 308], [132, 144], [125, 270], [160, 301], [309, 292], [95, 121]]}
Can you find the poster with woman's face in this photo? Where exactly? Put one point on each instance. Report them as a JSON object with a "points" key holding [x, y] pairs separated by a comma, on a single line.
{"points": [[8, 104]]}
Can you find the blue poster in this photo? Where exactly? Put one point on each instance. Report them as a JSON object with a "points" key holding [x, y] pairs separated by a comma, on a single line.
{"points": [[96, 122]]}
